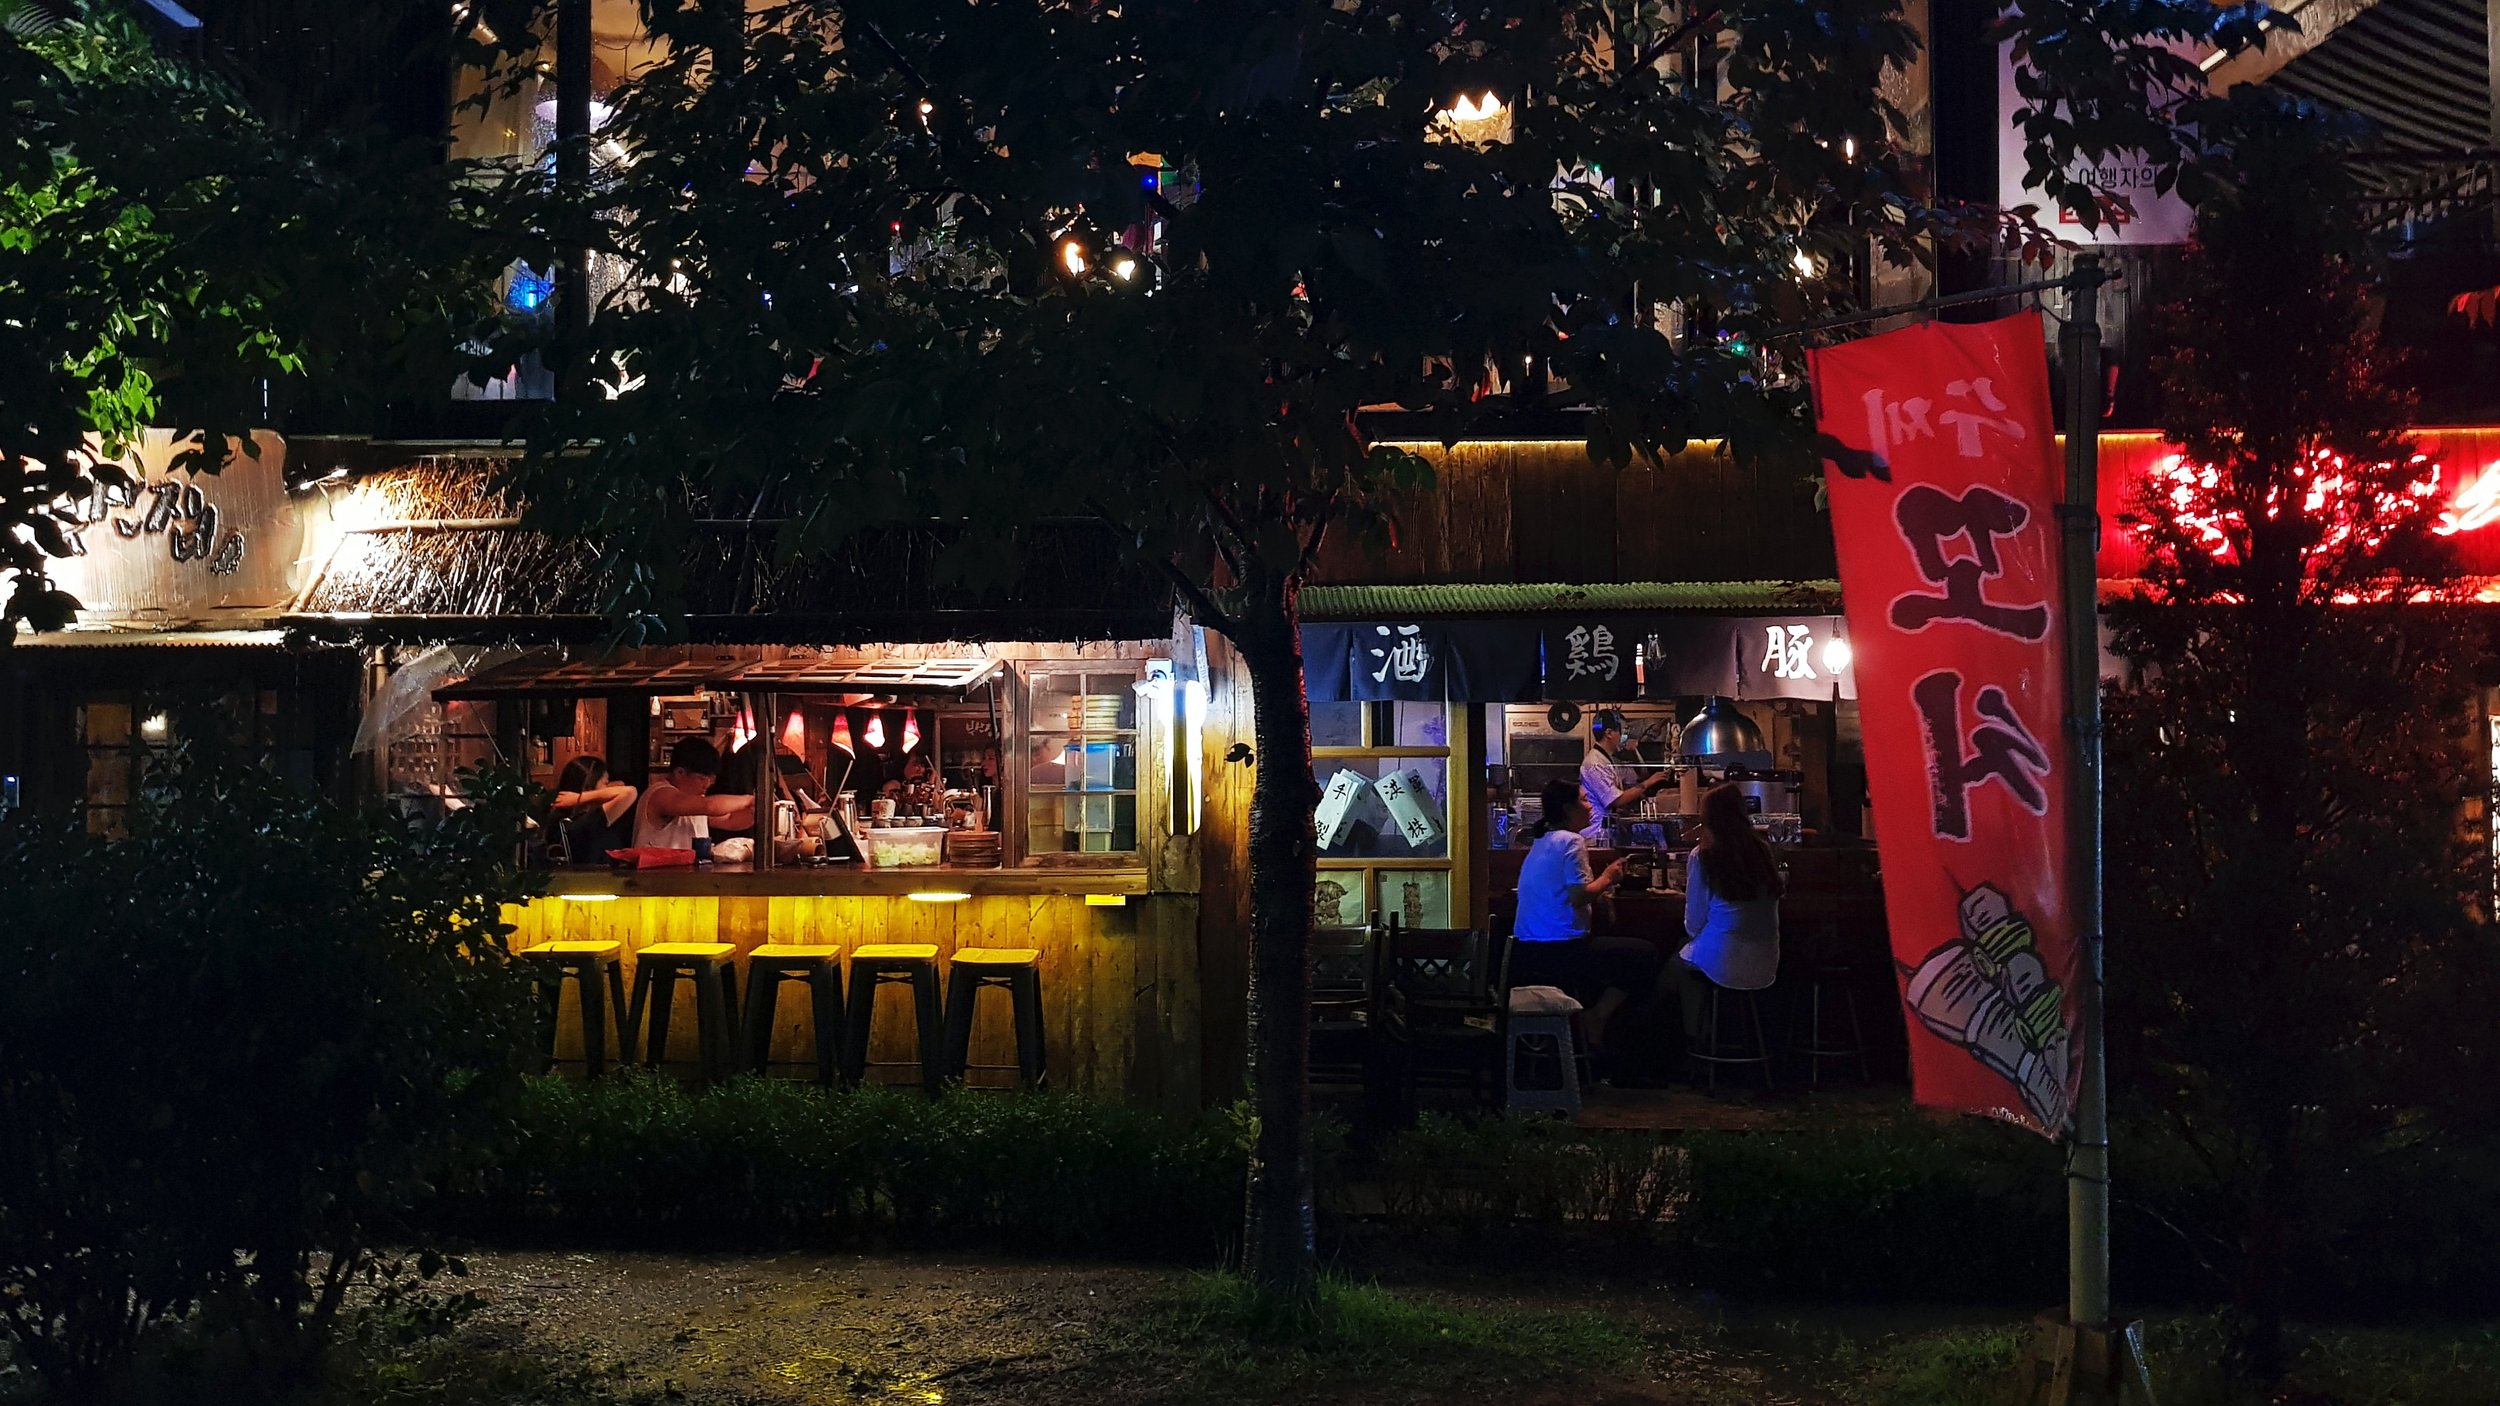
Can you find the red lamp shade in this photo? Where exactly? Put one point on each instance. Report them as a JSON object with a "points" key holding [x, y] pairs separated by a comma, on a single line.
{"points": [[875, 733], [911, 728], [794, 733], [842, 734]]}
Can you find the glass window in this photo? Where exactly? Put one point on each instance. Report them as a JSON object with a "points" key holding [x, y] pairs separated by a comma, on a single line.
{"points": [[1383, 807], [1081, 783], [1336, 724]]}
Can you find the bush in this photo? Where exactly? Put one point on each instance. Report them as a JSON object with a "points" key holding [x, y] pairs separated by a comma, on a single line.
{"points": [[640, 1159], [1911, 1209], [1451, 1174], [236, 1042]]}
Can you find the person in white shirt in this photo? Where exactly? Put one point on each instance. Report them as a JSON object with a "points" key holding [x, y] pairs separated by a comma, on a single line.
{"points": [[1557, 895], [1732, 892], [1609, 788], [669, 809]]}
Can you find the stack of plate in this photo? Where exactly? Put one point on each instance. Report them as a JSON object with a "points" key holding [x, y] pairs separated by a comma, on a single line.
{"points": [[979, 848], [1099, 713]]}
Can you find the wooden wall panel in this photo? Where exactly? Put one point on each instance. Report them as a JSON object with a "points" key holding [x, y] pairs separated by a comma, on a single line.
{"points": [[1538, 510], [1224, 880]]}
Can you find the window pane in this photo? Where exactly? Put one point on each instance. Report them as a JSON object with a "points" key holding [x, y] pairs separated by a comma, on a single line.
{"points": [[1419, 725], [1336, 724], [1337, 901], [1383, 807], [1420, 898], [1095, 703], [1064, 763]]}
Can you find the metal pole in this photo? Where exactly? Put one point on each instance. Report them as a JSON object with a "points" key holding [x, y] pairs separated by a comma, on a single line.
{"points": [[2087, 1154]]}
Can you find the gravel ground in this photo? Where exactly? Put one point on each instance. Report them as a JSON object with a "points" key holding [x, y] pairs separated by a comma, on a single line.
{"points": [[747, 1331]]}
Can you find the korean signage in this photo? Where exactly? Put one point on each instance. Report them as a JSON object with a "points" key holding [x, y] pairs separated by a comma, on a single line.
{"points": [[1943, 497], [2153, 217]]}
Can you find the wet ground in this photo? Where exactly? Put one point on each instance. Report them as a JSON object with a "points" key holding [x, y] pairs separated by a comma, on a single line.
{"points": [[743, 1331]]}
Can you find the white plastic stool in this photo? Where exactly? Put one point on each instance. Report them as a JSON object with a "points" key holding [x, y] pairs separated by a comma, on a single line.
{"points": [[1541, 1013]]}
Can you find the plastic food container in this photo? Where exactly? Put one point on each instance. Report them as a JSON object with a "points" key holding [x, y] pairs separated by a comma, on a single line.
{"points": [[902, 848]]}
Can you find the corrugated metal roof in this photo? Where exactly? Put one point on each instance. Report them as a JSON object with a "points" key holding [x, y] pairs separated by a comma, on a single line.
{"points": [[2417, 68], [1535, 598]]}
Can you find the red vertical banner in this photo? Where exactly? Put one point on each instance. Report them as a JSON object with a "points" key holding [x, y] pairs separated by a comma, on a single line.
{"points": [[1942, 464]]}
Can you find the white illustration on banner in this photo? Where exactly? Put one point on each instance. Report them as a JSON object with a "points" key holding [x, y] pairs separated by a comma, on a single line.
{"points": [[1988, 992]]}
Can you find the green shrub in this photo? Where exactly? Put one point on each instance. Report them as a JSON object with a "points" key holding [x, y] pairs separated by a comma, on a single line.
{"points": [[641, 1159], [1910, 1209], [236, 1043], [1454, 1174]]}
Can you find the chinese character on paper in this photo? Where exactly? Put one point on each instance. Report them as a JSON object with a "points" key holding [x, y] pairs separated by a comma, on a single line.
{"points": [[1402, 655], [1590, 653], [1999, 749], [1929, 518], [1789, 652], [1968, 427]]}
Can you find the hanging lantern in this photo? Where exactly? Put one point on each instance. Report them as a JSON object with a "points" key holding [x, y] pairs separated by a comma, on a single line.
{"points": [[911, 728], [875, 733], [794, 733], [743, 732], [842, 734]]}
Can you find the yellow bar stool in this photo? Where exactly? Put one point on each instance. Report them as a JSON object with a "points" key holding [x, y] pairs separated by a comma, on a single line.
{"points": [[657, 970], [601, 972], [1018, 972], [912, 964], [820, 969]]}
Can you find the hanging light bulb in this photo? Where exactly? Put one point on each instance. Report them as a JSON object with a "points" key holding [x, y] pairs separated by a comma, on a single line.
{"points": [[874, 734], [911, 728], [1803, 262], [842, 734], [1124, 268], [1072, 255], [794, 733]]}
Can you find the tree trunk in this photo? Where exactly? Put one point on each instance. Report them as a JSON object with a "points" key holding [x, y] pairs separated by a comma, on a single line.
{"points": [[1277, 1244]]}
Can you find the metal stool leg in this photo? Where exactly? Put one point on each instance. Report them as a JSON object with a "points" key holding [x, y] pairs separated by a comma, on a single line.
{"points": [[863, 1003], [1761, 1037], [924, 985], [963, 989], [1025, 989], [824, 993], [594, 1021], [712, 1025], [662, 995], [548, 987], [763, 999]]}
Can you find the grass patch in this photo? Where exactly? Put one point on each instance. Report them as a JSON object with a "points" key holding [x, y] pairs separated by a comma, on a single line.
{"points": [[2445, 1365], [1218, 1333]]}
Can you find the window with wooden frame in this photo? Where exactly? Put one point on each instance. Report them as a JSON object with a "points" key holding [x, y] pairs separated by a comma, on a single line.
{"points": [[1081, 777], [1393, 819]]}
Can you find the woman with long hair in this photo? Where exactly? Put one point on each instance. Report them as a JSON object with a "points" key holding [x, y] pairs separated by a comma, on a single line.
{"points": [[1557, 898], [1732, 889]]}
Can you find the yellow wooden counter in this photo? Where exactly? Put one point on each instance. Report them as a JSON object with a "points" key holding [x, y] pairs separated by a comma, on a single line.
{"points": [[1120, 987]]}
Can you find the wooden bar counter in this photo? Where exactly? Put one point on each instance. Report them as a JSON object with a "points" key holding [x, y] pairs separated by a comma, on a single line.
{"points": [[1120, 986]]}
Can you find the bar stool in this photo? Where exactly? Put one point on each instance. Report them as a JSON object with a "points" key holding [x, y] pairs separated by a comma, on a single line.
{"points": [[1018, 970], [876, 965], [1810, 1036], [602, 976], [1713, 1047], [1542, 1014], [820, 968], [657, 970]]}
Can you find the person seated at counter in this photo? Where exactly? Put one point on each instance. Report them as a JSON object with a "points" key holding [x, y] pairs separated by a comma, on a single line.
{"points": [[666, 818], [1608, 788], [1554, 946], [589, 809], [1732, 890]]}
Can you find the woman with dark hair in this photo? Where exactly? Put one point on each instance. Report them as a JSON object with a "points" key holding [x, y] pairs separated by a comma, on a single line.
{"points": [[1557, 894], [1732, 891], [588, 809]]}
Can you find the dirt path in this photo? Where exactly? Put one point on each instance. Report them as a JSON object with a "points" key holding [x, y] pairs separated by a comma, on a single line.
{"points": [[748, 1331]]}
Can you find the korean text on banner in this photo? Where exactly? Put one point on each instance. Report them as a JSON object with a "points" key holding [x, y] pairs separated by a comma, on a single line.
{"points": [[1943, 485]]}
